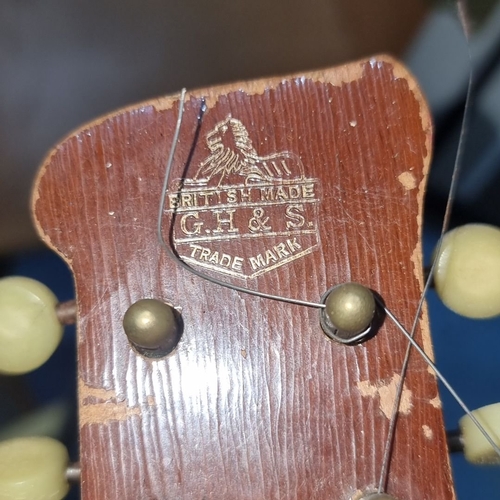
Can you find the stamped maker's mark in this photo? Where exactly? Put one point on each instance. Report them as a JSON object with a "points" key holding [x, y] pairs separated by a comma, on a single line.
{"points": [[241, 213]]}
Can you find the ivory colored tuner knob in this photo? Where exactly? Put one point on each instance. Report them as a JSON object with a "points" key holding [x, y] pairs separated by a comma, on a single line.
{"points": [[467, 272], [29, 328], [33, 468], [477, 449]]}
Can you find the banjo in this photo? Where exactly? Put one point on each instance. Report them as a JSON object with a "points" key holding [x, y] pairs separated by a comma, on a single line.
{"points": [[248, 272]]}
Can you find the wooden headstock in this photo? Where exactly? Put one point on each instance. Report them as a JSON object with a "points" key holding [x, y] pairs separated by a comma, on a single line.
{"points": [[292, 185]]}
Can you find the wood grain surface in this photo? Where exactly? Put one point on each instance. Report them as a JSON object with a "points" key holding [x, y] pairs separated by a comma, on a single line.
{"points": [[302, 183]]}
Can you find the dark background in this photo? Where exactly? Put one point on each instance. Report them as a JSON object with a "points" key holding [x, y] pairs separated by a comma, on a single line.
{"points": [[65, 62]]}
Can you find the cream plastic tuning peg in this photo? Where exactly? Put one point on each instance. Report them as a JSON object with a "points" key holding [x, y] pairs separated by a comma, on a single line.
{"points": [[477, 450], [467, 272], [29, 327], [33, 468]]}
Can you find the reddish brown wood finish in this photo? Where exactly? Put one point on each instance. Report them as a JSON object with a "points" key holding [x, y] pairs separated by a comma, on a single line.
{"points": [[256, 402]]}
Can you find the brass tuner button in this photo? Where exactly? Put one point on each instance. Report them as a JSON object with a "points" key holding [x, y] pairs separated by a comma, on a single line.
{"points": [[349, 312], [153, 327]]}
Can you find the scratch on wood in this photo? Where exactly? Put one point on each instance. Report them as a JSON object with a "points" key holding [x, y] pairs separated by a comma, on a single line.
{"points": [[387, 395]]}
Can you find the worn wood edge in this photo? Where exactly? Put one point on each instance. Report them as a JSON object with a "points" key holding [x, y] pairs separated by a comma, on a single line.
{"points": [[336, 76], [400, 71]]}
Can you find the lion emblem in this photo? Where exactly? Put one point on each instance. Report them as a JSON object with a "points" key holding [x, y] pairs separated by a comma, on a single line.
{"points": [[233, 154]]}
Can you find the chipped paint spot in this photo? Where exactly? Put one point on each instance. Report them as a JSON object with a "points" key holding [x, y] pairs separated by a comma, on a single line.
{"points": [[103, 413], [353, 123], [436, 402], [427, 346], [367, 389], [387, 394], [408, 180], [101, 406], [358, 495], [86, 392], [244, 353], [427, 432], [416, 259]]}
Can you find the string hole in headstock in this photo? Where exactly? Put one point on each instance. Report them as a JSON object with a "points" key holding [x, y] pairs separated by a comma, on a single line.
{"points": [[350, 315], [153, 328]]}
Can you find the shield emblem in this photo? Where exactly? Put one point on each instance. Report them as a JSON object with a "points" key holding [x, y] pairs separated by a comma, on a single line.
{"points": [[242, 213]]}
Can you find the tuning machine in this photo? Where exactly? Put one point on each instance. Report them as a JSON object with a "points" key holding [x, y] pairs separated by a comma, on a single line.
{"points": [[467, 270], [35, 468], [467, 280], [32, 321], [31, 324], [470, 440]]}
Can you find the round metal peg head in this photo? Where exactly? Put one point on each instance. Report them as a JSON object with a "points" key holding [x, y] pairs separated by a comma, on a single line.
{"points": [[152, 325], [350, 309]]}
